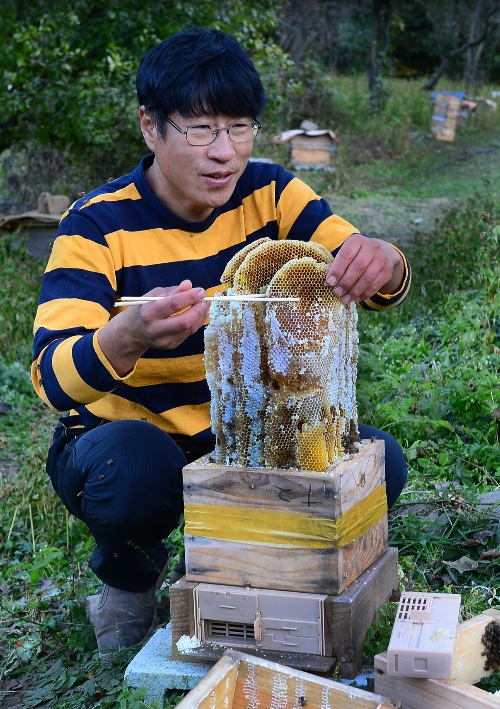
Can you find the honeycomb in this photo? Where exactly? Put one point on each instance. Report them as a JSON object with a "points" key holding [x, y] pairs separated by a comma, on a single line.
{"points": [[282, 375]]}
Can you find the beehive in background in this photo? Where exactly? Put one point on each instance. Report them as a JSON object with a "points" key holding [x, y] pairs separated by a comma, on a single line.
{"points": [[282, 375]]}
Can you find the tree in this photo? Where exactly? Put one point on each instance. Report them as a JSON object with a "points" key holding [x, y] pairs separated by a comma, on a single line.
{"points": [[482, 18], [68, 68], [381, 15]]}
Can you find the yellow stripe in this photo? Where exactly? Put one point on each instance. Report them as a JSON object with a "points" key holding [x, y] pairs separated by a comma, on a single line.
{"points": [[56, 314], [153, 246], [84, 254], [179, 370], [183, 420], [69, 379], [259, 208], [333, 232], [128, 192], [285, 529], [291, 203]]}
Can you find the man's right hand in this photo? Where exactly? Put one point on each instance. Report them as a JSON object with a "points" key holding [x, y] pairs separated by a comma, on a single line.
{"points": [[161, 324]]}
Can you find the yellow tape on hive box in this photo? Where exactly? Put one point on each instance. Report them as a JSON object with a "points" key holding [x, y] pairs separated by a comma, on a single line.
{"points": [[285, 529]]}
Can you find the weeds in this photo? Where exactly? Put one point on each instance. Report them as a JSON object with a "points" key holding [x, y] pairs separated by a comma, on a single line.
{"points": [[428, 373]]}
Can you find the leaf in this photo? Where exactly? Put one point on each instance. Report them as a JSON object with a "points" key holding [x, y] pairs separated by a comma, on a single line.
{"points": [[490, 554], [465, 563]]}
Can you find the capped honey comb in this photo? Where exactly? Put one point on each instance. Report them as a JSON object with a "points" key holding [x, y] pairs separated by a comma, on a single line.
{"points": [[282, 375]]}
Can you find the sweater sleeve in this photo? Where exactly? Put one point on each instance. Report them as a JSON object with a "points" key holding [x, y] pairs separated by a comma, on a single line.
{"points": [[77, 294], [302, 214]]}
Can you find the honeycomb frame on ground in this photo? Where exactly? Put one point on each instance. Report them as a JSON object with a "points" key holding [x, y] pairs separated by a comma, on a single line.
{"points": [[282, 375]]}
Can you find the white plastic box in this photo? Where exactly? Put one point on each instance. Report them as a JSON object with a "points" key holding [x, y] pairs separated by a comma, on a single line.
{"points": [[424, 635]]}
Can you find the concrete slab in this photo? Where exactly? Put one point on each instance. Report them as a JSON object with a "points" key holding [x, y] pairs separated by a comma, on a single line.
{"points": [[154, 668]]}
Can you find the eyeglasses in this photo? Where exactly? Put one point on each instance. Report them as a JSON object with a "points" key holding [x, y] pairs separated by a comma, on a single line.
{"points": [[205, 134]]}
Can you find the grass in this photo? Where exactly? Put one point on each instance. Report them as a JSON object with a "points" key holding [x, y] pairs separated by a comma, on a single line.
{"points": [[428, 373]]}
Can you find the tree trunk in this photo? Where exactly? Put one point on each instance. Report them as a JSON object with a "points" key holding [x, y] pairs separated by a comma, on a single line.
{"points": [[473, 53], [381, 13], [430, 84]]}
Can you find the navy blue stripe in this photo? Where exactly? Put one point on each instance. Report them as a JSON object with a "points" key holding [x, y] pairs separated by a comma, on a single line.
{"points": [[204, 273], [111, 215], [259, 175], [309, 219], [158, 398], [58, 397], [72, 226], [79, 283], [89, 366], [44, 336]]}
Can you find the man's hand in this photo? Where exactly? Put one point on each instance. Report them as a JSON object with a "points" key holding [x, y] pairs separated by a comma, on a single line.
{"points": [[364, 267], [161, 324]]}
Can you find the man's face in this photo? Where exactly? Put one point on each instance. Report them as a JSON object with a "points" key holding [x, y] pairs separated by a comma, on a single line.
{"points": [[192, 180]]}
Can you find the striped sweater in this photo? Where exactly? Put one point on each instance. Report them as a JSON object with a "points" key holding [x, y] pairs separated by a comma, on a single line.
{"points": [[121, 240]]}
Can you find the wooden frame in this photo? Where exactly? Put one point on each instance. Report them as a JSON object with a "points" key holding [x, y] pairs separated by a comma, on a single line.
{"points": [[238, 681], [340, 493]]}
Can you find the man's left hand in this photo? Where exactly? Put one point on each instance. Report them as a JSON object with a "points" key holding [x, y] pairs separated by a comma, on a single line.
{"points": [[363, 267]]}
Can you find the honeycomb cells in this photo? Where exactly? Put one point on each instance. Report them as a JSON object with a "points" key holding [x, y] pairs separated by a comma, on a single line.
{"points": [[282, 375]]}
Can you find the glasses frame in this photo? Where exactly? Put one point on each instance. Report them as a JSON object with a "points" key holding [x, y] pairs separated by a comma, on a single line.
{"points": [[215, 132]]}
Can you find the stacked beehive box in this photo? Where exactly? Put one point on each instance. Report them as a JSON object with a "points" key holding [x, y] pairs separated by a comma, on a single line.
{"points": [[290, 509]]}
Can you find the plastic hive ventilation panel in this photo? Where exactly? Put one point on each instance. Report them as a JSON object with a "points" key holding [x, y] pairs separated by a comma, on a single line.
{"points": [[260, 618], [424, 636], [282, 376]]}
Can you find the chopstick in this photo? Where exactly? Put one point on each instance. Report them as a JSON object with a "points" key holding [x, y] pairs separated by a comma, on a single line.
{"points": [[125, 300]]}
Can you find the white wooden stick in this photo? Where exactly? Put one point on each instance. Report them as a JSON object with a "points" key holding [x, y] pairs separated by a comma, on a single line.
{"points": [[125, 301]]}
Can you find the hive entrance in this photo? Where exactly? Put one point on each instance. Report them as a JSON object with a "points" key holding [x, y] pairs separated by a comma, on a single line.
{"points": [[282, 375]]}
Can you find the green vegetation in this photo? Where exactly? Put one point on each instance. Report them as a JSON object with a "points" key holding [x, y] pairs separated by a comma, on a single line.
{"points": [[69, 74], [428, 373]]}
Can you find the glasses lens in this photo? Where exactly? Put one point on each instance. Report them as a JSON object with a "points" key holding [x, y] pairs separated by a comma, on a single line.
{"points": [[200, 135], [243, 132], [238, 132]]}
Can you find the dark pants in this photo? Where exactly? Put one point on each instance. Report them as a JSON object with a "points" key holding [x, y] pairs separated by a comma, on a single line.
{"points": [[124, 480]]}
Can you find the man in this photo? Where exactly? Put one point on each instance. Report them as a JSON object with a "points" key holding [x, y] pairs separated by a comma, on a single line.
{"points": [[132, 379]]}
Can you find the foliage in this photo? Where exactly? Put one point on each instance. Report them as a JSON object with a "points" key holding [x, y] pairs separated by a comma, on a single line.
{"points": [[433, 384], [68, 75], [427, 373], [19, 306], [418, 35]]}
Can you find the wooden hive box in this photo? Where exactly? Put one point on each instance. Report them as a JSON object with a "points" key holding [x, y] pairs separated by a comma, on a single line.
{"points": [[239, 681], [290, 530], [341, 623], [445, 117], [312, 150]]}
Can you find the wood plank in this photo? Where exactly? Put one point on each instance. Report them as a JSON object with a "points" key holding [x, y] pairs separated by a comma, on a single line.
{"points": [[468, 660], [445, 117], [431, 693], [356, 608], [348, 617], [216, 689], [298, 660], [302, 570], [239, 681], [326, 494], [293, 494], [181, 611], [358, 556], [267, 684]]}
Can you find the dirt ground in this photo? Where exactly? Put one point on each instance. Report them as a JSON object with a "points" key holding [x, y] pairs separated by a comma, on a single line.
{"points": [[396, 221]]}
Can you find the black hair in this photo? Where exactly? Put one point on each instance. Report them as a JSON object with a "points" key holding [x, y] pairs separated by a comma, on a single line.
{"points": [[199, 71]]}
